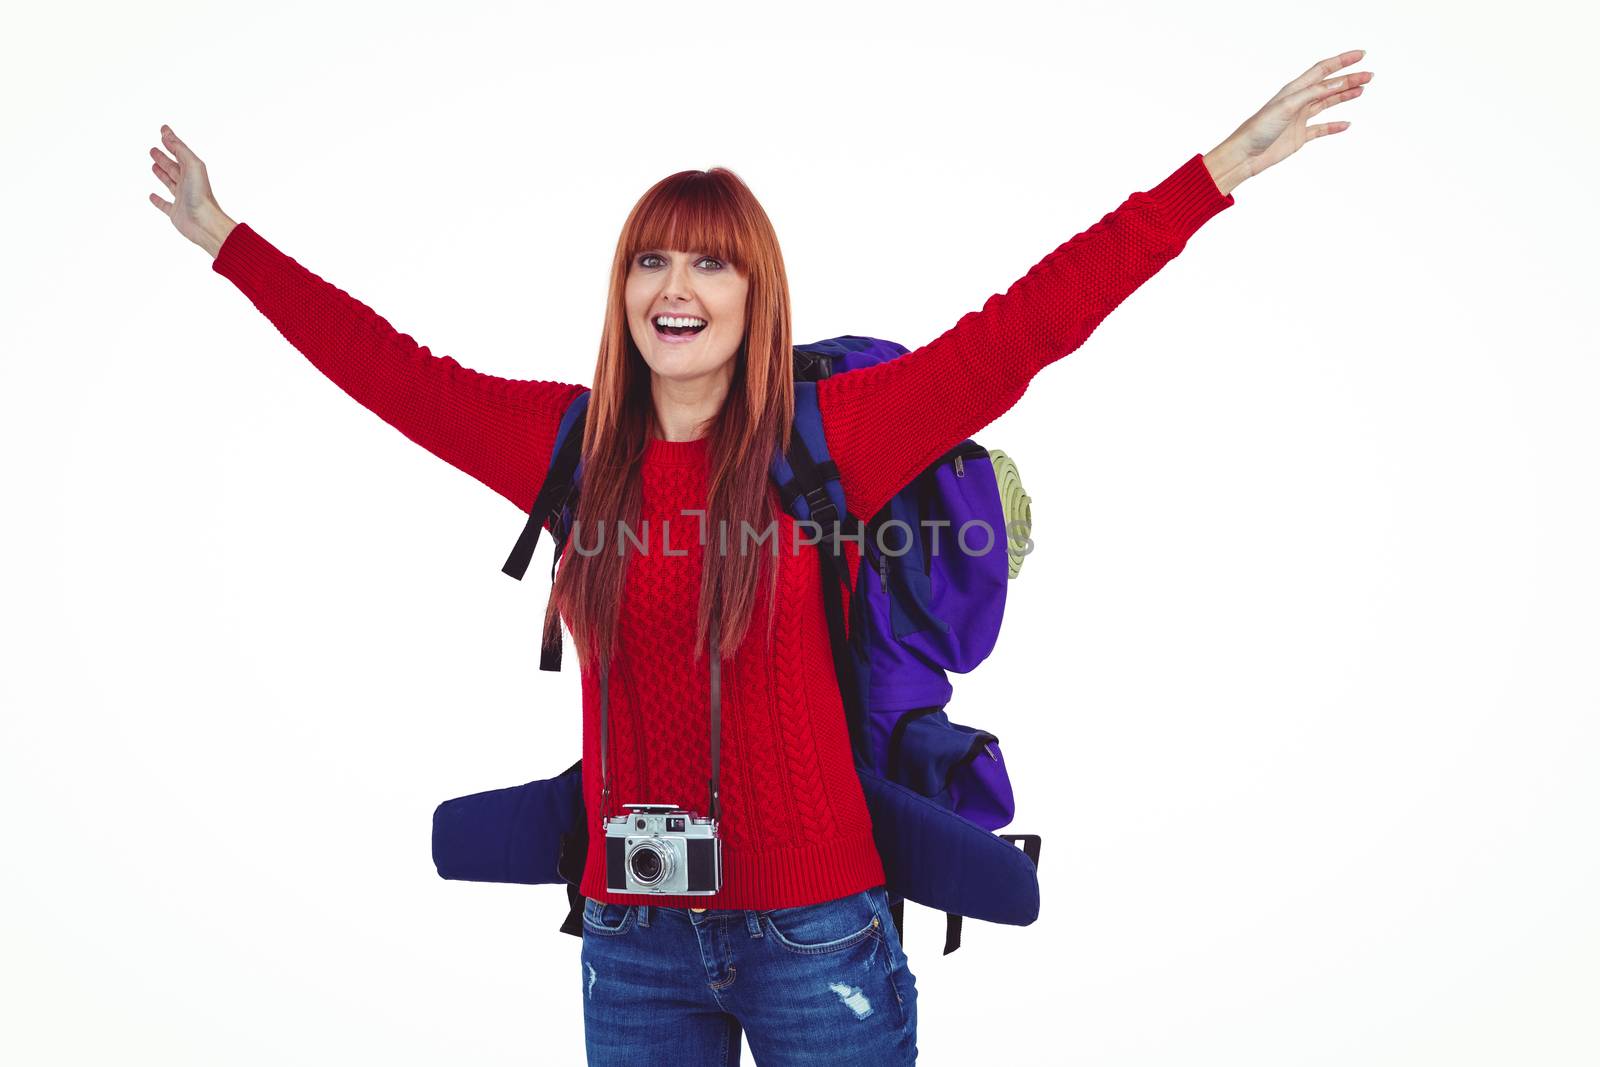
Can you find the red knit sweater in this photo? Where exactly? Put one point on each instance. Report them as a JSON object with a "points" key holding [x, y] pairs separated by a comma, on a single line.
{"points": [[795, 823]]}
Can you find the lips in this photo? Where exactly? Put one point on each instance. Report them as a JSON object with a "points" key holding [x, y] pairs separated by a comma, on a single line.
{"points": [[677, 334]]}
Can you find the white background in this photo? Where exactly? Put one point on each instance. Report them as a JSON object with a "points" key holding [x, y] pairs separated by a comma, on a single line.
{"points": [[1298, 685]]}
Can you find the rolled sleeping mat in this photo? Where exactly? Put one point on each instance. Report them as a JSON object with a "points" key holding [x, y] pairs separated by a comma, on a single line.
{"points": [[940, 860], [1017, 506], [509, 835]]}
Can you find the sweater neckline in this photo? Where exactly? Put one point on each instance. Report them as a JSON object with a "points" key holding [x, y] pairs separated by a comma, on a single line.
{"points": [[661, 453]]}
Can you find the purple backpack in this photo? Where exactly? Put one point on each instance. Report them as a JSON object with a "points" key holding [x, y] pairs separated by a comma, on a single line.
{"points": [[929, 599]]}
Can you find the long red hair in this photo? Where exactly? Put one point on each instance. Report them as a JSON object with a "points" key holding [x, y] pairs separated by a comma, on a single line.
{"points": [[710, 212]]}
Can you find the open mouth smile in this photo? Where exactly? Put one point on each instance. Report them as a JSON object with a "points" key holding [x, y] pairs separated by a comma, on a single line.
{"points": [[678, 328]]}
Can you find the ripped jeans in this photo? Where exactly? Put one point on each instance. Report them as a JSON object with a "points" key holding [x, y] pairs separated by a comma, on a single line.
{"points": [[818, 984]]}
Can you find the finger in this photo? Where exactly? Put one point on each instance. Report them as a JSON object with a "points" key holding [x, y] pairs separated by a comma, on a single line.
{"points": [[172, 186], [1318, 90], [179, 149], [1329, 101], [164, 205], [164, 166], [1322, 68], [1322, 129]]}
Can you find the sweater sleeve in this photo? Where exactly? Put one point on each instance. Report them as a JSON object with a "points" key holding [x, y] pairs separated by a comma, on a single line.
{"points": [[499, 430], [886, 423]]}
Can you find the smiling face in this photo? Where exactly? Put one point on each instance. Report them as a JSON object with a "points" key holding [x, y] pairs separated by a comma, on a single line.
{"points": [[686, 286]]}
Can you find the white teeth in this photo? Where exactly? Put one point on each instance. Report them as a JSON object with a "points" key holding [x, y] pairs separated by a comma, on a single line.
{"points": [[674, 320]]}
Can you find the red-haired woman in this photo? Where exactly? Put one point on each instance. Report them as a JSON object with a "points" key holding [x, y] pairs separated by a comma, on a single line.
{"points": [[692, 393]]}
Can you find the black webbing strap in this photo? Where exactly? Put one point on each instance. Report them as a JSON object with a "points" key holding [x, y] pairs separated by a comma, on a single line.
{"points": [[809, 481], [811, 366], [820, 474], [952, 933], [569, 865], [1030, 844], [843, 661], [952, 926], [605, 784], [552, 494], [715, 809], [573, 924], [550, 653]]}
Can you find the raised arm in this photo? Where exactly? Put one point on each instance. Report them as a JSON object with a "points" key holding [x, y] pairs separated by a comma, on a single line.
{"points": [[887, 422], [499, 430]]}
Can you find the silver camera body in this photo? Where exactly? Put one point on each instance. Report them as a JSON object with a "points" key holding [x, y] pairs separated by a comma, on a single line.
{"points": [[661, 848]]}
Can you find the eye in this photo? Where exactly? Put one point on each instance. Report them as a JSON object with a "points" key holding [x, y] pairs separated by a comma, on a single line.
{"points": [[644, 260]]}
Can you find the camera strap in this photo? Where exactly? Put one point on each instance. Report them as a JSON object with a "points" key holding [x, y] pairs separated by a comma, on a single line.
{"points": [[714, 653]]}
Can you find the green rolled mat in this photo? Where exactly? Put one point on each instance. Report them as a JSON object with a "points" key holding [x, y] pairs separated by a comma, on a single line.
{"points": [[1017, 506]]}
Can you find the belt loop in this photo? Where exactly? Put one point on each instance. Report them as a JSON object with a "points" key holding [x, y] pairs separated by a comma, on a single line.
{"points": [[752, 921], [644, 914]]}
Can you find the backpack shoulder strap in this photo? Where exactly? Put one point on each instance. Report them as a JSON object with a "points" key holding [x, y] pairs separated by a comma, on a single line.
{"points": [[559, 482], [808, 484], [812, 475]]}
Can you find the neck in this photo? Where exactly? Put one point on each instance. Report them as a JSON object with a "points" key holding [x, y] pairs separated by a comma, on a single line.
{"points": [[685, 407]]}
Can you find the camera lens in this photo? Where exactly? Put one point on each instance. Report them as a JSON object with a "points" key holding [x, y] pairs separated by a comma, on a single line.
{"points": [[649, 863], [646, 865]]}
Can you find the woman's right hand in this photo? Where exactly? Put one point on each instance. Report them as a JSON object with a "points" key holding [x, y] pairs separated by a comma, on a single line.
{"points": [[193, 209]]}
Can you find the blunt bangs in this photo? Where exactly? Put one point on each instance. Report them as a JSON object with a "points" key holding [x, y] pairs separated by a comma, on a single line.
{"points": [[693, 214]]}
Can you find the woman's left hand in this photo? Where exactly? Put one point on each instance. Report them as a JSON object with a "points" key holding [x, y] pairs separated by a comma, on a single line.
{"points": [[1279, 129]]}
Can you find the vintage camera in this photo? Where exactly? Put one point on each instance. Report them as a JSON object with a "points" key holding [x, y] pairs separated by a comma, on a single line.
{"points": [[661, 848]]}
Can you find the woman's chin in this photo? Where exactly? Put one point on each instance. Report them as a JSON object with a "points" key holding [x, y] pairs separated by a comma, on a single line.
{"points": [[672, 364], [681, 366]]}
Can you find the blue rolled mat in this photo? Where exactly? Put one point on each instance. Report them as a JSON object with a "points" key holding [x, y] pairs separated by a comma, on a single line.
{"points": [[511, 834]]}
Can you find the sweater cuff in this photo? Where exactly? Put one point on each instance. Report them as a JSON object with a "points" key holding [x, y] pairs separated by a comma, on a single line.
{"points": [[1189, 196], [246, 257]]}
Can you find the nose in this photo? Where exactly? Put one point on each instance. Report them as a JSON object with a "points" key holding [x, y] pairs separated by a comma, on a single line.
{"points": [[679, 283]]}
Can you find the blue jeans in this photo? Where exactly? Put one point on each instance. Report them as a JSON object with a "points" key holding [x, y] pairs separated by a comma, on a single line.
{"points": [[818, 984]]}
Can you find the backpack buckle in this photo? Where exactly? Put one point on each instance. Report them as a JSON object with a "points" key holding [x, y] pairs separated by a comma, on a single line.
{"points": [[821, 506]]}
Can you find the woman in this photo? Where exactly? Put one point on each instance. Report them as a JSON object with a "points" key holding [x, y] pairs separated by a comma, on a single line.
{"points": [[691, 394]]}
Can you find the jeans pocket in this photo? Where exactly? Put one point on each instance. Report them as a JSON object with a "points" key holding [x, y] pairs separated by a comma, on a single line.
{"points": [[891, 934], [830, 926], [895, 964], [607, 919]]}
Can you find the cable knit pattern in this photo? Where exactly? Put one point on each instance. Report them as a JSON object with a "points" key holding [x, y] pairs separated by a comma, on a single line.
{"points": [[796, 828]]}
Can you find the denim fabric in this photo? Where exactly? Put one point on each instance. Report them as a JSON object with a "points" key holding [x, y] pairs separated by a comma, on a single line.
{"points": [[819, 984]]}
